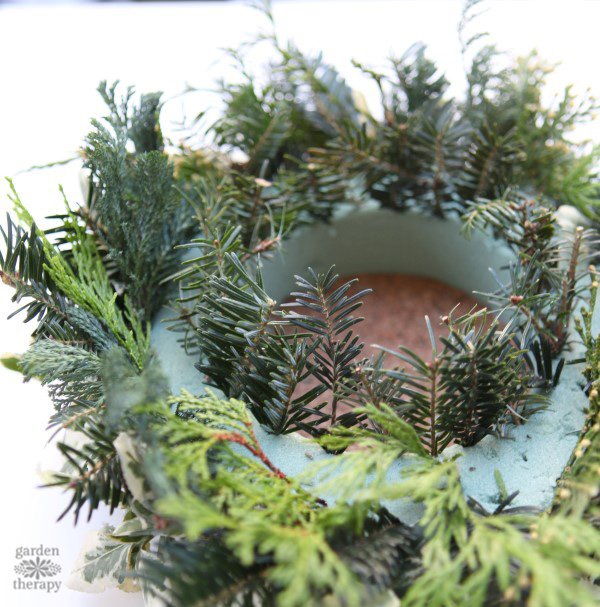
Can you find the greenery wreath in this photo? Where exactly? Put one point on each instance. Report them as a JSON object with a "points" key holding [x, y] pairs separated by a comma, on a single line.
{"points": [[210, 518]]}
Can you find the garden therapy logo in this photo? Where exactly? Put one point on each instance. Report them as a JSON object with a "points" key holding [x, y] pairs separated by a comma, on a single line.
{"points": [[35, 569]]}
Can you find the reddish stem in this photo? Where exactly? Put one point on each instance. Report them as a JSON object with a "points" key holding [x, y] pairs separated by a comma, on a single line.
{"points": [[240, 440]]}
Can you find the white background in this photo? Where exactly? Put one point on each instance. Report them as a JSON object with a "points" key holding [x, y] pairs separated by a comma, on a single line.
{"points": [[52, 60]]}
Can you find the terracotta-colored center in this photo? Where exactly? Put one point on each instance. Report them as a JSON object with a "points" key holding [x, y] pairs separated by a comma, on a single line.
{"points": [[394, 314]]}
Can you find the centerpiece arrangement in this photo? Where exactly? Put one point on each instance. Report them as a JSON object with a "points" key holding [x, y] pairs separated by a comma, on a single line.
{"points": [[260, 457]]}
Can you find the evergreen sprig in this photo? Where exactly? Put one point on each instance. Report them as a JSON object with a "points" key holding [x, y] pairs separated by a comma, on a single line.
{"points": [[231, 528], [23, 266], [218, 487], [546, 279], [79, 319], [134, 210], [71, 372], [477, 383], [578, 491], [371, 384], [94, 473], [484, 381], [330, 319], [248, 353], [205, 572], [455, 557], [268, 521], [435, 153]]}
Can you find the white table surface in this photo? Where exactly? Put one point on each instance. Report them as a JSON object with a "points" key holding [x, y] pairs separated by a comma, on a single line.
{"points": [[52, 60]]}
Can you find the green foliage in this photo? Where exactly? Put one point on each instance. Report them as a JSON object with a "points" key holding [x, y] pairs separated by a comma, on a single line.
{"points": [[417, 79], [206, 573], [261, 208], [467, 558], [528, 567], [93, 472], [23, 267], [71, 372], [501, 486], [578, 492], [471, 388], [74, 300], [436, 153], [272, 189], [416, 156], [526, 223], [346, 477], [529, 137], [421, 395], [288, 410], [136, 213], [98, 409], [87, 285], [546, 279], [583, 326], [55, 283], [237, 335], [11, 362], [240, 215], [258, 532], [370, 384], [217, 523], [330, 323], [124, 386], [478, 383], [483, 380], [547, 160], [141, 123], [249, 354], [304, 102], [265, 517], [386, 555], [249, 124]]}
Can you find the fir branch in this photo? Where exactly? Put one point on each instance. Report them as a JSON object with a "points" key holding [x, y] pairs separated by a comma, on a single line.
{"points": [[23, 266], [248, 354], [386, 555], [95, 476], [470, 388], [422, 394], [287, 410], [546, 280], [205, 573], [483, 379], [335, 353], [371, 384]]}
